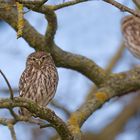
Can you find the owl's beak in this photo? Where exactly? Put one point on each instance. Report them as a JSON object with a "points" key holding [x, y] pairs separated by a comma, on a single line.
{"points": [[39, 62]]}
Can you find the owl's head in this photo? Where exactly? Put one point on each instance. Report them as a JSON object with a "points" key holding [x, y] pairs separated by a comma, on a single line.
{"points": [[39, 59]]}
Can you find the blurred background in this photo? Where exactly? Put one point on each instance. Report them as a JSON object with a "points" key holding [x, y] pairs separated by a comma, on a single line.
{"points": [[91, 29]]}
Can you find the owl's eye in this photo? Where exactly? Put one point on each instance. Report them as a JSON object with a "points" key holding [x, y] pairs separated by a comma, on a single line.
{"points": [[33, 59], [44, 57]]}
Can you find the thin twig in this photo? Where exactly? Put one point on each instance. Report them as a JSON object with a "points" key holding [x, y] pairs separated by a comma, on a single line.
{"points": [[6, 121], [61, 107], [13, 133], [13, 114], [9, 86], [69, 3], [46, 125], [123, 7]]}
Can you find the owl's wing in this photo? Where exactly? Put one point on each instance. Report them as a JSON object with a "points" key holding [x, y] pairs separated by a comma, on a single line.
{"points": [[51, 81], [23, 83]]}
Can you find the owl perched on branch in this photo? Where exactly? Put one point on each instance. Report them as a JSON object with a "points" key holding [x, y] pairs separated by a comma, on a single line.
{"points": [[39, 80], [131, 33]]}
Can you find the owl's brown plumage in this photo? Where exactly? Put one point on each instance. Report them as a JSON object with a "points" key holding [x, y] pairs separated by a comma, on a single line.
{"points": [[131, 33], [39, 80]]}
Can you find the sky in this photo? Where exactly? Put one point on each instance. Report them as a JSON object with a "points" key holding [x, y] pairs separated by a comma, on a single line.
{"points": [[91, 29]]}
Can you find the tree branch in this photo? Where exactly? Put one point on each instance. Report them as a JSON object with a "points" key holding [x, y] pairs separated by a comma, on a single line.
{"points": [[41, 112], [69, 3], [13, 121], [8, 84], [79, 63], [137, 3], [13, 133], [118, 85], [123, 7], [62, 58], [111, 64], [51, 28], [117, 125], [114, 60]]}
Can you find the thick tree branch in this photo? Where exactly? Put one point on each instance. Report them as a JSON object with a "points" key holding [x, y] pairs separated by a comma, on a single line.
{"points": [[111, 64], [41, 112], [118, 85], [33, 38], [51, 18], [118, 124], [79, 63], [62, 58], [51, 28], [54, 103]]}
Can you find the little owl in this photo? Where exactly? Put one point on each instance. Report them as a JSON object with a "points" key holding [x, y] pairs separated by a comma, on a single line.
{"points": [[39, 80], [131, 33]]}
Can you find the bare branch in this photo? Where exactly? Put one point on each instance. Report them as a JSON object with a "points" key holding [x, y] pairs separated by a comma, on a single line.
{"points": [[8, 84], [15, 116], [137, 2], [54, 103], [118, 85], [52, 22], [32, 2], [113, 61], [111, 64], [117, 125], [5, 121], [41, 112], [79, 63], [123, 7], [46, 125], [41, 3], [62, 58], [13, 133], [69, 3], [52, 27], [61, 107]]}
